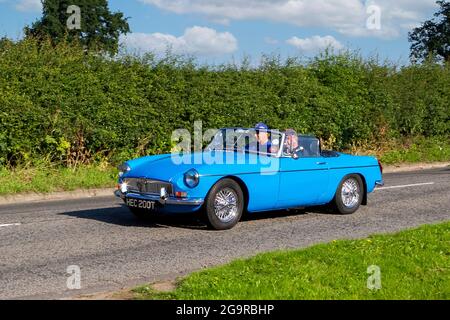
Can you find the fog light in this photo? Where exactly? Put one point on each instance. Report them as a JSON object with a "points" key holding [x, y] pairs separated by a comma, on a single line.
{"points": [[163, 194]]}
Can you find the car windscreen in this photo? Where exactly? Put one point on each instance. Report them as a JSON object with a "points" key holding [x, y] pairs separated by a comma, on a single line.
{"points": [[310, 146], [246, 140]]}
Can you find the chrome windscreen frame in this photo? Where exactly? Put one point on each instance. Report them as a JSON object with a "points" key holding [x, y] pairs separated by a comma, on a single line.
{"points": [[278, 154]]}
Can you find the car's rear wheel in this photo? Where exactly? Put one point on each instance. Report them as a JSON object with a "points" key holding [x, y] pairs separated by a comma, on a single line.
{"points": [[224, 205], [349, 195]]}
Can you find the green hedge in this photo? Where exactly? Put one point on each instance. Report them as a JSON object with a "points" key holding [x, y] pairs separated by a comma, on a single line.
{"points": [[66, 106]]}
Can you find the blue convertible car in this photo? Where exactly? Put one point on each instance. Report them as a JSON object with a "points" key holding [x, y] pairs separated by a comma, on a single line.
{"points": [[237, 173]]}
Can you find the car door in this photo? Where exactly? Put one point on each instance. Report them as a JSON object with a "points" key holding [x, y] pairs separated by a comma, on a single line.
{"points": [[303, 181], [261, 177]]}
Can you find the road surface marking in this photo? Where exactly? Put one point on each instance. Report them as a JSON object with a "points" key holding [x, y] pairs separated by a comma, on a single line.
{"points": [[406, 186], [9, 225]]}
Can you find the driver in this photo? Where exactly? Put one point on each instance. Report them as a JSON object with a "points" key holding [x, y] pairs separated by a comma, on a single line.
{"points": [[262, 135]]}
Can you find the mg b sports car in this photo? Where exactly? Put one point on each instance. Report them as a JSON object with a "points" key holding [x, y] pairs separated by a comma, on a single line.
{"points": [[232, 176]]}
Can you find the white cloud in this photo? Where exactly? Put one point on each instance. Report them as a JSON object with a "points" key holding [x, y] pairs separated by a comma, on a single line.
{"points": [[345, 16], [195, 40], [315, 44], [29, 5]]}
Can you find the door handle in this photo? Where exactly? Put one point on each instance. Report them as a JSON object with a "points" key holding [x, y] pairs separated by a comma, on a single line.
{"points": [[321, 163]]}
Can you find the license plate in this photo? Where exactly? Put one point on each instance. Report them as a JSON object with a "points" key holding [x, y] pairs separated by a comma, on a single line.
{"points": [[141, 204]]}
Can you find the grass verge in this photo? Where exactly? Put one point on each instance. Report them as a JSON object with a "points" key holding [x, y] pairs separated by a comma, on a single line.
{"points": [[50, 179], [418, 150], [414, 264]]}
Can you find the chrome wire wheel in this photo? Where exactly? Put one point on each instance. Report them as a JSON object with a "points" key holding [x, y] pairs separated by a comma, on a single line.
{"points": [[350, 193], [226, 205]]}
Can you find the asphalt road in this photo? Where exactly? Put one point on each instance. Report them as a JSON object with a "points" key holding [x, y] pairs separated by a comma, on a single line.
{"points": [[38, 241]]}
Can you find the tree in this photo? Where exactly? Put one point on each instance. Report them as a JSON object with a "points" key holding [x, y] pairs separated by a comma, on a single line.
{"points": [[94, 25], [5, 42], [432, 38]]}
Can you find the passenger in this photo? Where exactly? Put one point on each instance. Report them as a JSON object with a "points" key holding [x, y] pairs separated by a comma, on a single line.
{"points": [[291, 144]]}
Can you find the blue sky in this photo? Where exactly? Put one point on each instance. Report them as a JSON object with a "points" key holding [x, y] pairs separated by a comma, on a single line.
{"points": [[219, 30]]}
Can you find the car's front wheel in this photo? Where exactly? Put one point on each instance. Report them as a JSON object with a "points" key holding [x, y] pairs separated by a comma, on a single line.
{"points": [[224, 205], [349, 195]]}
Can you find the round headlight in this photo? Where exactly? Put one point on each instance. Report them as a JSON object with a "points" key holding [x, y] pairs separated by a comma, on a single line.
{"points": [[191, 178], [123, 168]]}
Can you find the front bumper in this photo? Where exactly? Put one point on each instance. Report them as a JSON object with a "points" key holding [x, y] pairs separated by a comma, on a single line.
{"points": [[164, 200]]}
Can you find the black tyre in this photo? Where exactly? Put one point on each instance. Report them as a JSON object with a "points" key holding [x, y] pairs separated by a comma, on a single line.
{"points": [[224, 205], [349, 195]]}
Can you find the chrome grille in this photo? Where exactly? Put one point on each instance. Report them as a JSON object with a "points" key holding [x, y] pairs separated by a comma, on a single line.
{"points": [[148, 186]]}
